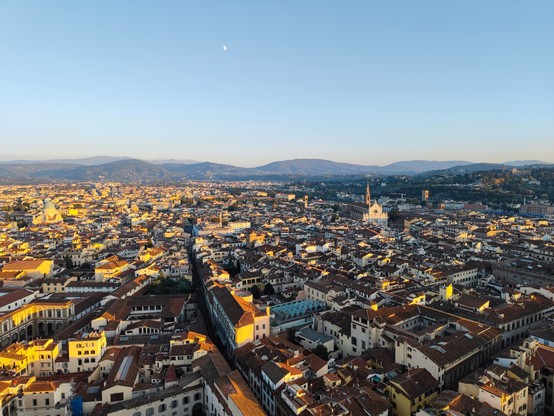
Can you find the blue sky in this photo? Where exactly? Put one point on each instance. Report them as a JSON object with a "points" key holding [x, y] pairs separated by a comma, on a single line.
{"points": [[367, 82]]}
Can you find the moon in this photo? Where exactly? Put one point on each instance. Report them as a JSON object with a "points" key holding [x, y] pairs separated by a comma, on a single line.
{"points": [[224, 48]]}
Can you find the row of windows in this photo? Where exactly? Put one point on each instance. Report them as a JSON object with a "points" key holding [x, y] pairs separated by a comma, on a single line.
{"points": [[163, 407], [42, 365], [30, 317], [84, 345], [519, 323], [86, 352]]}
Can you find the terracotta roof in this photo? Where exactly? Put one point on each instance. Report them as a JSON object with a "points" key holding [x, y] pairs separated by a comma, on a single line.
{"points": [[23, 265], [237, 310], [414, 382], [125, 369]]}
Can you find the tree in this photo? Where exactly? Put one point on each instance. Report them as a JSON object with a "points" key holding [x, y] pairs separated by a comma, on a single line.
{"points": [[233, 268], [269, 289], [256, 292], [321, 351], [166, 285], [393, 215], [68, 262]]}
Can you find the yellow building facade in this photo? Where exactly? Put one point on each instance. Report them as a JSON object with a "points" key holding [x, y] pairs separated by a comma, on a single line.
{"points": [[35, 358], [85, 352], [34, 320]]}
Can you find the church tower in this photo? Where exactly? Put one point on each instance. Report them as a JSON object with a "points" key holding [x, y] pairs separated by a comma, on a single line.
{"points": [[375, 213]]}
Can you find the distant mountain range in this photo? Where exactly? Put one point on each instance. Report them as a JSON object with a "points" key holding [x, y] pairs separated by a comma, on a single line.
{"points": [[96, 160], [128, 169]]}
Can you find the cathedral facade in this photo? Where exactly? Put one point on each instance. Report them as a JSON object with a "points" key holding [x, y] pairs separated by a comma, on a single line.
{"points": [[375, 214], [368, 212]]}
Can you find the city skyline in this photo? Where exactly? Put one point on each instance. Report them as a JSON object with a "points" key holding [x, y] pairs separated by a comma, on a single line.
{"points": [[246, 84]]}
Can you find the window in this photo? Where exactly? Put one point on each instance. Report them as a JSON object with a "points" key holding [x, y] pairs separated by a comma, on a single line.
{"points": [[47, 402], [185, 400], [173, 404], [34, 402], [161, 407], [196, 397], [137, 413], [150, 411], [116, 397]]}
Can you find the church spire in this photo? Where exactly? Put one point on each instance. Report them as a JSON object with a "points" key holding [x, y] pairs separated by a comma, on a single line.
{"points": [[367, 195]]}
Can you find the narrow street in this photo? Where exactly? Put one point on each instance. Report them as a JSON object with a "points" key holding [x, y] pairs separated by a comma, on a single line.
{"points": [[198, 289]]}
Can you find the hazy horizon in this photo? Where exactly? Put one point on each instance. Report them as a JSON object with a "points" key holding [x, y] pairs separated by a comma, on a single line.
{"points": [[176, 159], [247, 84]]}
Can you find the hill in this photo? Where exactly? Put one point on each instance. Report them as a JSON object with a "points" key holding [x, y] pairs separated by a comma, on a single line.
{"points": [[127, 169], [312, 167]]}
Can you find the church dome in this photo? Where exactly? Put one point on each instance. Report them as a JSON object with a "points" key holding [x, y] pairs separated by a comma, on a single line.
{"points": [[49, 205]]}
